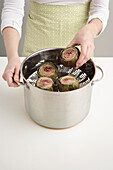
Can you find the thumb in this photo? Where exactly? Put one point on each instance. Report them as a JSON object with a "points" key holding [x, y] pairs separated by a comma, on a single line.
{"points": [[17, 74], [73, 42]]}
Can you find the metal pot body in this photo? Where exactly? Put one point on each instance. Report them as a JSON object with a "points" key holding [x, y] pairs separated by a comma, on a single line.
{"points": [[56, 109]]}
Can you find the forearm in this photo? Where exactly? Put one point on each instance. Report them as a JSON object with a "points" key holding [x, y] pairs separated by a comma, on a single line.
{"points": [[11, 40], [99, 9], [95, 26]]}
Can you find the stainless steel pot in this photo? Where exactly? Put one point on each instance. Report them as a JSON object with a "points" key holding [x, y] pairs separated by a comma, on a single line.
{"points": [[56, 109]]}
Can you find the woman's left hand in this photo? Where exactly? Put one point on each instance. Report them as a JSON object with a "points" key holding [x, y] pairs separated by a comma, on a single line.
{"points": [[84, 38]]}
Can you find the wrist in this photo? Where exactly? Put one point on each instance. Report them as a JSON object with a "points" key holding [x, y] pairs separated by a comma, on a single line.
{"points": [[95, 26], [93, 29], [12, 57]]}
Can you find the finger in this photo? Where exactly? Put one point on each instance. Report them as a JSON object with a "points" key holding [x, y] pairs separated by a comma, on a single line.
{"points": [[9, 78], [6, 76], [15, 85], [82, 55], [17, 74], [87, 57], [3, 76], [11, 83], [72, 43]]}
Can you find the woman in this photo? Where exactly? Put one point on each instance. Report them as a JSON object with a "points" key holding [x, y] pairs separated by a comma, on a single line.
{"points": [[51, 24]]}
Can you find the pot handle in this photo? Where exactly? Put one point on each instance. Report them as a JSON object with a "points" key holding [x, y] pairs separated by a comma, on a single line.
{"points": [[18, 83], [102, 74], [22, 84]]}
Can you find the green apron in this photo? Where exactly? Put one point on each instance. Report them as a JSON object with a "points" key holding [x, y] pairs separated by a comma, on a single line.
{"points": [[52, 26]]}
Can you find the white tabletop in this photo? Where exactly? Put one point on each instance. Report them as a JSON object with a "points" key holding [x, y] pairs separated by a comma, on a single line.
{"points": [[24, 145]]}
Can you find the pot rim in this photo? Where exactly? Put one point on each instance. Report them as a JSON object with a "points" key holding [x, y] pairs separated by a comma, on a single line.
{"points": [[52, 92]]}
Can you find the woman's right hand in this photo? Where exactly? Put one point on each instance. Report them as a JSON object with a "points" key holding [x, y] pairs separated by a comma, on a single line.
{"points": [[12, 71]]}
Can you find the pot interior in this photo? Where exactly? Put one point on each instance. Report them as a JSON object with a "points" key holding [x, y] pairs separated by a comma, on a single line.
{"points": [[29, 66]]}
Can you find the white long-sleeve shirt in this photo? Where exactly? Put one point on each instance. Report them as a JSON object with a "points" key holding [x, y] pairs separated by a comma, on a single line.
{"points": [[13, 11]]}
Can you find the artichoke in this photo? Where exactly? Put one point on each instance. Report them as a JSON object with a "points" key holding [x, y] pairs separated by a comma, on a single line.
{"points": [[45, 83], [48, 69], [68, 83], [69, 56]]}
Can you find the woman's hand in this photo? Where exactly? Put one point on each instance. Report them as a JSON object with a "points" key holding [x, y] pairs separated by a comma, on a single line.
{"points": [[85, 38], [12, 71], [11, 40]]}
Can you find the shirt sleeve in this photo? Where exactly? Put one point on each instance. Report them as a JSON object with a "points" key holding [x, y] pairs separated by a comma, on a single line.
{"points": [[99, 9], [12, 14]]}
